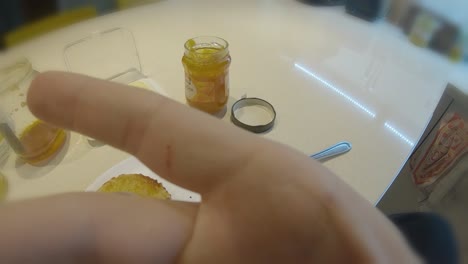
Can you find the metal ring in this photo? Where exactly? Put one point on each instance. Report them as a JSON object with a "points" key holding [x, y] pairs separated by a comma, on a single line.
{"points": [[249, 102]]}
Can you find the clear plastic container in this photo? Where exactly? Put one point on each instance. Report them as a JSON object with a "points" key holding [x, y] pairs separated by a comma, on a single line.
{"points": [[110, 55], [33, 141]]}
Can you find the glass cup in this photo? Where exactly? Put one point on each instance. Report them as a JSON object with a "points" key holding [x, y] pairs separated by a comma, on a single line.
{"points": [[34, 141]]}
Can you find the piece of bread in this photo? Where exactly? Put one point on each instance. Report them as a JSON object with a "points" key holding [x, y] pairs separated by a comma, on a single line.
{"points": [[137, 184]]}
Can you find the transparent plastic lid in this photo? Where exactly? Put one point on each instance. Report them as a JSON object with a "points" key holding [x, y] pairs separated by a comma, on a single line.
{"points": [[106, 54]]}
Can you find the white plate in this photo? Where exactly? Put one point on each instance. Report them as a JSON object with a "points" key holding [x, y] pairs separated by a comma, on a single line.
{"points": [[134, 166]]}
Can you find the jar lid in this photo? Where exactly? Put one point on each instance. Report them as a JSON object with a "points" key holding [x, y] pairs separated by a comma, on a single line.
{"points": [[253, 114]]}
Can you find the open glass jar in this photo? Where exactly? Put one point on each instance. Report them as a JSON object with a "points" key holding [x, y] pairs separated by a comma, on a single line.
{"points": [[34, 141], [206, 61]]}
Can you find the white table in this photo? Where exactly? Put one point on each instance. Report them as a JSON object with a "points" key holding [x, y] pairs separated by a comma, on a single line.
{"points": [[330, 76]]}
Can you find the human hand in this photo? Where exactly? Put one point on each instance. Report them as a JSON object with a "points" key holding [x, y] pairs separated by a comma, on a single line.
{"points": [[262, 202]]}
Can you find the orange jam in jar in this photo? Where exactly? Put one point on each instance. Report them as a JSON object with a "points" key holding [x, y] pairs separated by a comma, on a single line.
{"points": [[41, 142], [206, 61]]}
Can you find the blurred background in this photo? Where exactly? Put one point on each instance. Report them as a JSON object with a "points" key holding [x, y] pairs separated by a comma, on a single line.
{"points": [[21, 20], [441, 26]]}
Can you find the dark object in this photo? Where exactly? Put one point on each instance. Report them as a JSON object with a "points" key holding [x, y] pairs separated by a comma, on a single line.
{"points": [[429, 235], [34, 10], [10, 18], [14, 13], [445, 38], [251, 102], [366, 9]]}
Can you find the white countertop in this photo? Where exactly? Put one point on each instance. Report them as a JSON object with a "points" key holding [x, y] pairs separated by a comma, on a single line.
{"points": [[331, 77]]}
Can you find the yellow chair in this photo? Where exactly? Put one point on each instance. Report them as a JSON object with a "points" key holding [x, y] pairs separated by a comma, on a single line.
{"points": [[124, 4], [48, 24]]}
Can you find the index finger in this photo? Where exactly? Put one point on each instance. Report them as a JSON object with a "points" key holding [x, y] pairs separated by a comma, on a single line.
{"points": [[184, 146]]}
